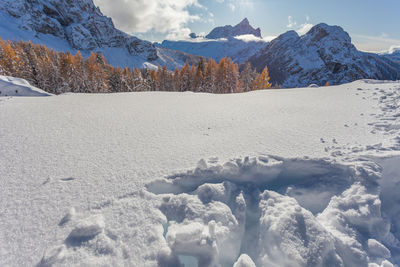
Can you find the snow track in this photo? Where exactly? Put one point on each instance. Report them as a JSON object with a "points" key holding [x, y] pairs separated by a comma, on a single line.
{"points": [[280, 212]]}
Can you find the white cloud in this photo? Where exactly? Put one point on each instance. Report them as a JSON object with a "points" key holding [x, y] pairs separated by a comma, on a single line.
{"points": [[375, 43], [233, 4], [291, 23], [163, 16], [252, 38]]}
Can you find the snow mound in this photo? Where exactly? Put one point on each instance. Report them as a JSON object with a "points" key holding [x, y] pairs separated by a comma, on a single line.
{"points": [[279, 212], [87, 228], [10, 86], [88, 243], [244, 261]]}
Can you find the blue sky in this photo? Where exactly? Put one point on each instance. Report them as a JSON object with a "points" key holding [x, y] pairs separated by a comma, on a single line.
{"points": [[373, 25]]}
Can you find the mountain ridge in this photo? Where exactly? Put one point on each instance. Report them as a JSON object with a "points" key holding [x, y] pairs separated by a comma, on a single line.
{"points": [[324, 54], [80, 25]]}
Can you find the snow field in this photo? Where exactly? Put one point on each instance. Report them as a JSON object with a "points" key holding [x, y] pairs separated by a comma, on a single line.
{"points": [[109, 179]]}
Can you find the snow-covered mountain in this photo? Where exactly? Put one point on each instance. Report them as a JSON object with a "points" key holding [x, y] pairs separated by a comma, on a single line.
{"points": [[324, 54], [393, 53], [80, 25], [229, 31], [238, 42]]}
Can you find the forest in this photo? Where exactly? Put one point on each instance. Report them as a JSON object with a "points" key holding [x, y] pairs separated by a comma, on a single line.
{"points": [[60, 72]]}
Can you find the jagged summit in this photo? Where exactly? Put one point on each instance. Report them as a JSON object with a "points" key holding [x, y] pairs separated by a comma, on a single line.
{"points": [[229, 31], [323, 30], [244, 22]]}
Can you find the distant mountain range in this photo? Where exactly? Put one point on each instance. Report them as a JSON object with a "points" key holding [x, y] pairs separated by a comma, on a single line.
{"points": [[238, 42], [324, 54]]}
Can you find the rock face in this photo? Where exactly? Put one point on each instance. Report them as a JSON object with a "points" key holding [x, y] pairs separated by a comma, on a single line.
{"points": [[229, 31], [79, 22], [324, 54]]}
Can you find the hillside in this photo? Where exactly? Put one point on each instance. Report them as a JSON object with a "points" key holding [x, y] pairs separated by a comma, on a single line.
{"points": [[80, 25]]}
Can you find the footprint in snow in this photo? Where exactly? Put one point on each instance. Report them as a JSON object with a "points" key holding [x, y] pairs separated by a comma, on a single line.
{"points": [[68, 179]]}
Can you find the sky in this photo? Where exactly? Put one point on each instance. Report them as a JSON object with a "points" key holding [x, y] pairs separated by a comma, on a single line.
{"points": [[372, 24]]}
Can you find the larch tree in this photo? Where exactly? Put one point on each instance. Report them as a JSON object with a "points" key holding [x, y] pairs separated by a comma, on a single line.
{"points": [[262, 81]]}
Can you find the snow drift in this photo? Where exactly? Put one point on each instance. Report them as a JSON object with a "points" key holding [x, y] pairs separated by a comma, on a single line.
{"points": [[10, 86]]}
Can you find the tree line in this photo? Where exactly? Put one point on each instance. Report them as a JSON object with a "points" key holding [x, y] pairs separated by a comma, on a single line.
{"points": [[60, 72]]}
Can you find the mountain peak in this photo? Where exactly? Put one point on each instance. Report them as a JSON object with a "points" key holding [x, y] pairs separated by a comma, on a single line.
{"points": [[322, 30], [229, 31], [244, 22]]}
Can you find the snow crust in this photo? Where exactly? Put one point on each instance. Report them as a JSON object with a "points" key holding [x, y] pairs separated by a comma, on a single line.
{"points": [[94, 180]]}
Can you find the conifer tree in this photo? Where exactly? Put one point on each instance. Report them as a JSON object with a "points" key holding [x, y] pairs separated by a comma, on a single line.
{"points": [[262, 81]]}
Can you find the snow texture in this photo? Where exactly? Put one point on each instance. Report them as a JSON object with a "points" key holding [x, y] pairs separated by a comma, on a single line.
{"points": [[111, 179]]}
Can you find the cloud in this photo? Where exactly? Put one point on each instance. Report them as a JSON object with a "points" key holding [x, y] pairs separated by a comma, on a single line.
{"points": [[163, 16], [251, 38], [291, 23], [300, 29], [233, 4], [380, 43]]}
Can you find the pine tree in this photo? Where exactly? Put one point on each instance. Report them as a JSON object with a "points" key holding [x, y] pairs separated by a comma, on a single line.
{"points": [[247, 77], [185, 78]]}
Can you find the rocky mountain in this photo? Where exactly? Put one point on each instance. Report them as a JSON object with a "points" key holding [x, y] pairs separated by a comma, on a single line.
{"points": [[238, 42], [229, 31], [80, 25], [324, 54]]}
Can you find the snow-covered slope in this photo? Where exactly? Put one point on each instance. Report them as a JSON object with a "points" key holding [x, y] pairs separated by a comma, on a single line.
{"points": [[158, 179], [78, 25], [10, 86], [238, 42], [324, 54]]}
